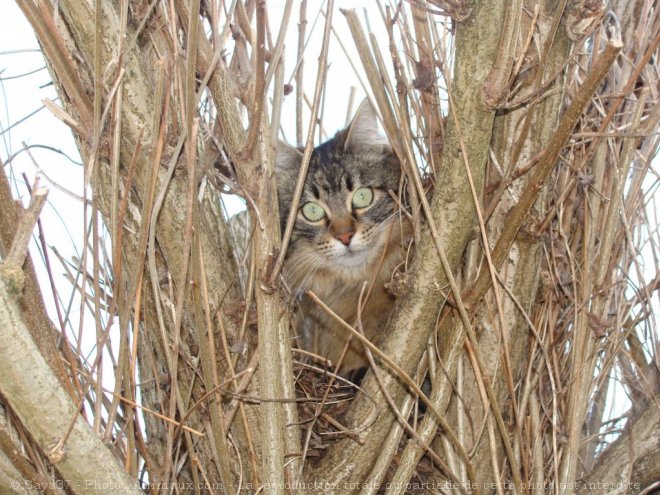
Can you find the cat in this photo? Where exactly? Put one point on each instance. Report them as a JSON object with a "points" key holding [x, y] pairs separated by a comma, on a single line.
{"points": [[349, 215]]}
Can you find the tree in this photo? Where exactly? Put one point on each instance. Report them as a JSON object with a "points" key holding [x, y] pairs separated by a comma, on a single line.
{"points": [[526, 132]]}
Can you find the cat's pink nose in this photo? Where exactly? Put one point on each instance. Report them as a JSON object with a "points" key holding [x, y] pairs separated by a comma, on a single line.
{"points": [[345, 237]]}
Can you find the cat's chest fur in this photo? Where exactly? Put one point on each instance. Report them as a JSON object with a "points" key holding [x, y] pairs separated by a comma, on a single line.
{"points": [[342, 292]]}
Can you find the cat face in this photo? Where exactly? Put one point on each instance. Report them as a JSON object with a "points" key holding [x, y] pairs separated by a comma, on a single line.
{"points": [[346, 208]]}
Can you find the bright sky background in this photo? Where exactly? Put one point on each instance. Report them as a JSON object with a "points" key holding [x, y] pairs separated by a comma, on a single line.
{"points": [[19, 98]]}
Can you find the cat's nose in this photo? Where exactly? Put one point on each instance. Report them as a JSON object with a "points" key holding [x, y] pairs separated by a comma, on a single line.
{"points": [[345, 237]]}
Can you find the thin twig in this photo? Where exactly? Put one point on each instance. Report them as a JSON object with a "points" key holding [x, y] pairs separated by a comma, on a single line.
{"points": [[309, 146], [19, 247]]}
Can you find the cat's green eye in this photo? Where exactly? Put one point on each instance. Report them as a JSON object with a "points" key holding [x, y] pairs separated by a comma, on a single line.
{"points": [[313, 211], [363, 197]]}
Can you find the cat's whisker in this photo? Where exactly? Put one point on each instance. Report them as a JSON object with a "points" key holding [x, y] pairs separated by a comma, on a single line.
{"points": [[294, 263], [378, 228], [308, 277], [384, 223], [299, 270], [301, 287]]}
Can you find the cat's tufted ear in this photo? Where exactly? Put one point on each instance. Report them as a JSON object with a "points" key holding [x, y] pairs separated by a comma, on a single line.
{"points": [[287, 159], [287, 165], [362, 134]]}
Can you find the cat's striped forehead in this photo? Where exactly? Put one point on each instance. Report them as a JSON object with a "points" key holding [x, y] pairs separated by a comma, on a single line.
{"points": [[331, 176], [333, 170]]}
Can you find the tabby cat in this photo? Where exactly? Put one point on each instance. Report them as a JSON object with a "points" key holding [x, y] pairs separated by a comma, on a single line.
{"points": [[348, 230]]}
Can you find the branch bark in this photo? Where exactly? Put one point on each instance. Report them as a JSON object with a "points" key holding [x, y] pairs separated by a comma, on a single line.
{"points": [[632, 462], [32, 302], [47, 412], [19, 246]]}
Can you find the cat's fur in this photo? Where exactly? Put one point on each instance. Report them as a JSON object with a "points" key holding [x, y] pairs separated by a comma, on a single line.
{"points": [[319, 258]]}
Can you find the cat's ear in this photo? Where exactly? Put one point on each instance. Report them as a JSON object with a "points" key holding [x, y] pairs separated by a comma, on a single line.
{"points": [[287, 165], [287, 159], [362, 134]]}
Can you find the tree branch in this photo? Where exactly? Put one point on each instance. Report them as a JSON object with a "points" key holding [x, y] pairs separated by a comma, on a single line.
{"points": [[632, 462], [19, 246], [45, 409]]}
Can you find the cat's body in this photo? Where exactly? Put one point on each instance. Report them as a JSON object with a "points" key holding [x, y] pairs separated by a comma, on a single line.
{"points": [[348, 231]]}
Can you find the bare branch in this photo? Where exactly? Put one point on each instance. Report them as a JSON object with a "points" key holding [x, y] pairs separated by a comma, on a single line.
{"points": [[46, 410]]}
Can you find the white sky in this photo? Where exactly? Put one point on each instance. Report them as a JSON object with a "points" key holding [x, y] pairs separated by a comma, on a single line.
{"points": [[19, 97]]}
